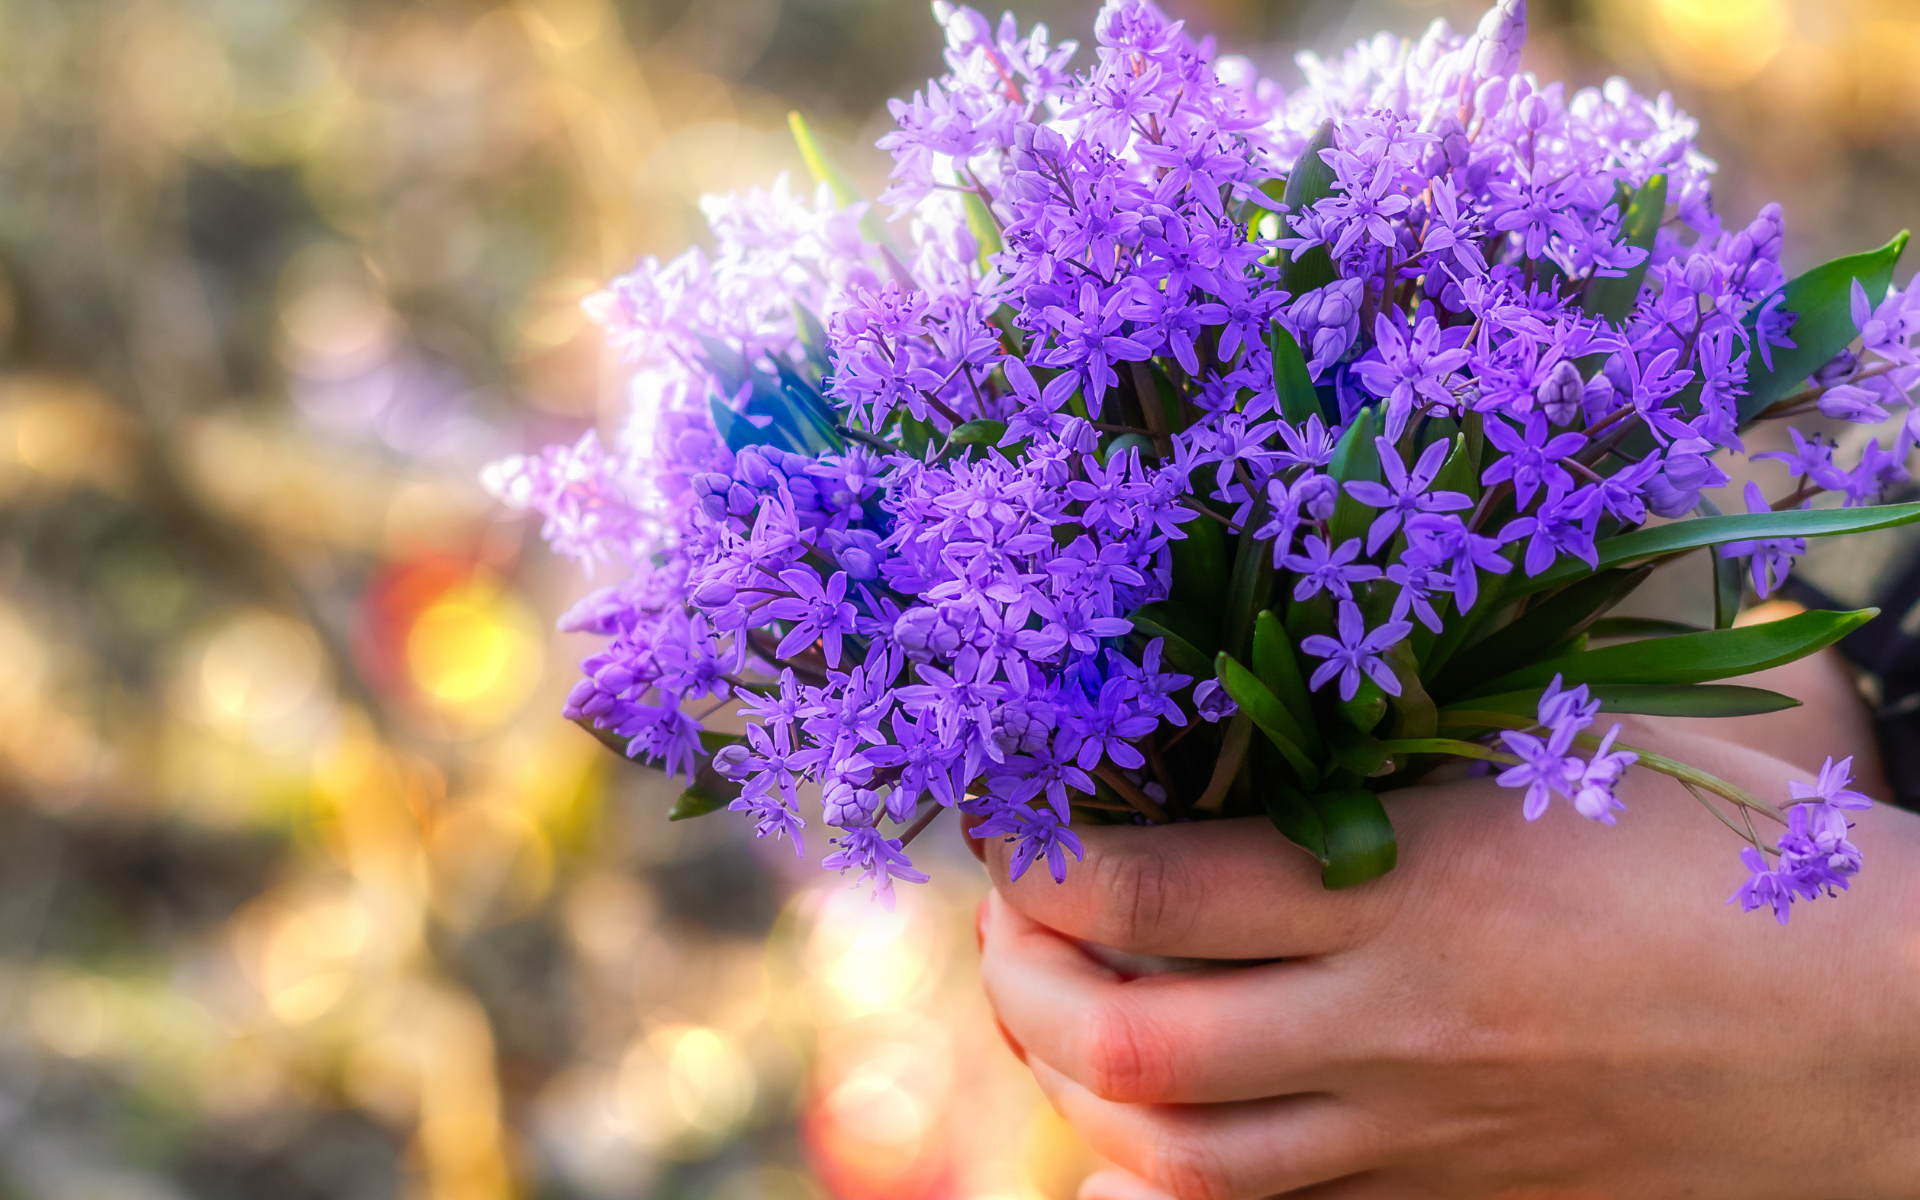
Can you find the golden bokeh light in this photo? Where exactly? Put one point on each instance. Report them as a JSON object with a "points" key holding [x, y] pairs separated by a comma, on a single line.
{"points": [[308, 964], [476, 653], [1723, 43], [258, 671], [867, 957]]}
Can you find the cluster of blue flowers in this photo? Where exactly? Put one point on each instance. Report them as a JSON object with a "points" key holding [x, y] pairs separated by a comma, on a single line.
{"points": [[893, 489]]}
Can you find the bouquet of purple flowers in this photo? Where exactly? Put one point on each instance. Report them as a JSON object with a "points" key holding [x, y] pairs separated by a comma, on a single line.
{"points": [[1185, 446]]}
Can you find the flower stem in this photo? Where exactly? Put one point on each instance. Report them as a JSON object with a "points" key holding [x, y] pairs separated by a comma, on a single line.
{"points": [[1131, 794], [921, 822]]}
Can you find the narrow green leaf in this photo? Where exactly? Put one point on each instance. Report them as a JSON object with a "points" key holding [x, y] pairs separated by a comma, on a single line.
{"points": [[1695, 532], [984, 227], [1613, 298], [813, 337], [1295, 816], [1200, 565], [1548, 624], [1639, 627], [1291, 381], [1277, 666], [823, 169], [1691, 657], [1823, 301], [1311, 180], [1650, 700], [1360, 841], [1249, 584], [1266, 711], [1729, 581], [1355, 459], [1169, 621]]}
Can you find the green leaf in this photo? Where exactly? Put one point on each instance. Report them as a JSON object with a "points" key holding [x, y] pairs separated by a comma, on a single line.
{"points": [[1200, 570], [1183, 641], [1823, 300], [1549, 623], [1355, 750], [1355, 458], [1360, 841], [1277, 666], [825, 170], [739, 433], [1729, 581], [1650, 700], [1291, 380], [813, 337], [1692, 657], [1613, 298], [1695, 532], [1639, 627], [696, 801], [1457, 473], [1250, 582], [984, 227], [1311, 180], [981, 432], [1125, 442], [1413, 708], [1266, 711], [1367, 708], [1295, 816]]}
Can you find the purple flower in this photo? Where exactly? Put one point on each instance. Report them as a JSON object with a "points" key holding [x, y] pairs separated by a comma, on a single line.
{"points": [[1547, 765], [1830, 787], [1764, 887], [1038, 832], [1105, 727], [1321, 569], [1405, 493], [1355, 651], [1411, 367], [1772, 558], [1532, 457], [1544, 768], [879, 859], [820, 614], [1212, 702]]}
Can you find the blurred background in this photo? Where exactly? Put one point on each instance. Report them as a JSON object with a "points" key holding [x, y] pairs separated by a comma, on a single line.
{"points": [[305, 889]]}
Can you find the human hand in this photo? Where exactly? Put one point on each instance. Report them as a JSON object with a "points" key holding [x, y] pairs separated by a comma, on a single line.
{"points": [[1558, 1009]]}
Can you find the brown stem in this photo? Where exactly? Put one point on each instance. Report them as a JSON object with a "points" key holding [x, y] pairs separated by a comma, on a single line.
{"points": [[921, 822], [1131, 794]]}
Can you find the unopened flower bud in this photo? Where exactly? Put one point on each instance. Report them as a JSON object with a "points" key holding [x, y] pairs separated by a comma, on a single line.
{"points": [[1560, 395], [733, 762], [1837, 368], [1699, 273]]}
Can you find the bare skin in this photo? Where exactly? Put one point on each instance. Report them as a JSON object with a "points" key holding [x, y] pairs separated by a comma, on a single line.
{"points": [[1558, 1009]]}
